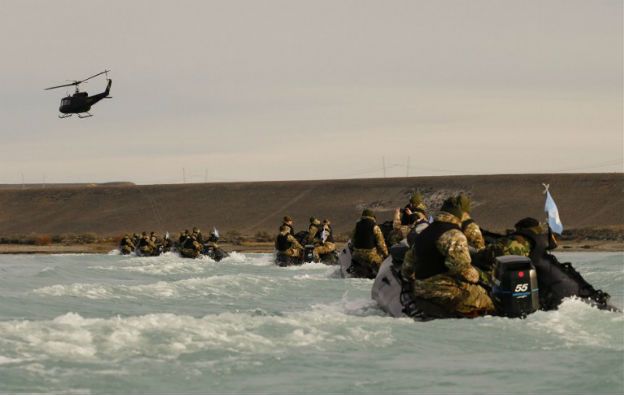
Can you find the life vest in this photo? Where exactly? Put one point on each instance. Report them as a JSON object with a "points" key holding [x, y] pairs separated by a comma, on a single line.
{"points": [[282, 243], [364, 237], [429, 261], [189, 243]]}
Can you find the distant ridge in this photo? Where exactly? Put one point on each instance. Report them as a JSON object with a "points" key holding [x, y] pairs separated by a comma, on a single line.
{"points": [[43, 185], [584, 200]]}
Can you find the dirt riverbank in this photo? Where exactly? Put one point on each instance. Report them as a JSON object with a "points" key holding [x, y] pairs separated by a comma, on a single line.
{"points": [[100, 248]]}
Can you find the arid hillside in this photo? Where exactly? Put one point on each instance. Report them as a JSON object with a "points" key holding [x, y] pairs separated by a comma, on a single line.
{"points": [[584, 200]]}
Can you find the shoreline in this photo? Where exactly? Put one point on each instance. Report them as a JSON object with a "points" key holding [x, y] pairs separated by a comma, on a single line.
{"points": [[257, 247]]}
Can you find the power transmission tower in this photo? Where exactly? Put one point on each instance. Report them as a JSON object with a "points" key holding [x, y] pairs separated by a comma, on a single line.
{"points": [[383, 163]]}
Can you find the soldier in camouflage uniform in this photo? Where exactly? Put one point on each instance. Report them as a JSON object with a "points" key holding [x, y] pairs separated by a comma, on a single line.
{"points": [[517, 244], [407, 218], [324, 245], [369, 246], [198, 235], [126, 245], [287, 221], [183, 236], [439, 265], [469, 227], [287, 244], [146, 246], [191, 248], [313, 231]]}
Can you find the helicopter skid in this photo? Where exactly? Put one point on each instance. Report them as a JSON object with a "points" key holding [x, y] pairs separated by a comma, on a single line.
{"points": [[85, 116], [64, 116]]}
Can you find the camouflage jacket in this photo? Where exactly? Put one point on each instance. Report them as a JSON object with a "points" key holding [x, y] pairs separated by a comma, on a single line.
{"points": [[453, 245], [293, 241], [314, 234], [473, 234], [509, 245]]}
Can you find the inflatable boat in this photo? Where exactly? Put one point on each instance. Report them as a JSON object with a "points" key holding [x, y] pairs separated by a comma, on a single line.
{"points": [[516, 289], [306, 257]]}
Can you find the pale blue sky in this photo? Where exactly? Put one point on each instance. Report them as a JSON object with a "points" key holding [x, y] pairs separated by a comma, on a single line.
{"points": [[277, 90]]}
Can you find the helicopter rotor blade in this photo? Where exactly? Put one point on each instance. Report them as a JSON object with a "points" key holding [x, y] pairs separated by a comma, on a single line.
{"points": [[93, 76], [60, 86], [76, 83]]}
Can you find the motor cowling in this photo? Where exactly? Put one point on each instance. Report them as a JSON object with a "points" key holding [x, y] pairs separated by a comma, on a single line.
{"points": [[515, 290], [308, 253]]}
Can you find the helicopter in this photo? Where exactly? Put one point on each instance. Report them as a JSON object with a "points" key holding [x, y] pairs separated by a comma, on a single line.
{"points": [[80, 102]]}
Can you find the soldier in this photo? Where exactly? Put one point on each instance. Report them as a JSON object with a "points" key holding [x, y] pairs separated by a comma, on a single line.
{"points": [[198, 235], [528, 232], [468, 226], [287, 221], [411, 219], [135, 239], [313, 231], [183, 236], [369, 246], [191, 248], [286, 244], [325, 241], [126, 245], [556, 280], [146, 247], [414, 211], [439, 263]]}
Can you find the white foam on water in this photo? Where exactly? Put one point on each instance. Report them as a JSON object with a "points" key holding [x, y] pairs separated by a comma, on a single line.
{"points": [[9, 361], [72, 337], [89, 291], [232, 286], [575, 323]]}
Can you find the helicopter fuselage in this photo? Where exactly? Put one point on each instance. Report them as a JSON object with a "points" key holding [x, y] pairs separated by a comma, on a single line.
{"points": [[81, 102]]}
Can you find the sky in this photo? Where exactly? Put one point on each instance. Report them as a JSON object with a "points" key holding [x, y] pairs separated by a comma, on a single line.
{"points": [[284, 90]]}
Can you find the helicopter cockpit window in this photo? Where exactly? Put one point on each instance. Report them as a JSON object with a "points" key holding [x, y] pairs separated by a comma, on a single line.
{"points": [[65, 102]]}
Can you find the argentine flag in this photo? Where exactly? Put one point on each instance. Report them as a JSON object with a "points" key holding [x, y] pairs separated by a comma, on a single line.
{"points": [[553, 214]]}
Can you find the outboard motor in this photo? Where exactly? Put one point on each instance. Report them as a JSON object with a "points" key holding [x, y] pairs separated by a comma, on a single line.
{"points": [[515, 291], [308, 253]]}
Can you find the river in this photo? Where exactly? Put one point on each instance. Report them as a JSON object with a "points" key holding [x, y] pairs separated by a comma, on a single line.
{"points": [[115, 324]]}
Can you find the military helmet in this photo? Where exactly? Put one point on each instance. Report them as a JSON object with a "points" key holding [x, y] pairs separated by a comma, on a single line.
{"points": [[416, 199], [287, 218], [195, 230], [452, 206], [367, 212], [528, 223], [464, 202]]}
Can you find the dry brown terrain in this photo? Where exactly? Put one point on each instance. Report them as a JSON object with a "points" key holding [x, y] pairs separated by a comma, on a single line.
{"points": [[586, 201], [267, 247]]}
